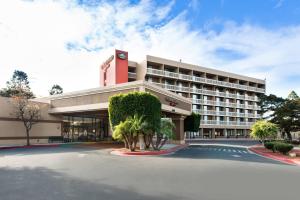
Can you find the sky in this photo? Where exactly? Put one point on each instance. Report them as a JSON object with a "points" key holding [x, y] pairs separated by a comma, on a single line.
{"points": [[65, 42]]}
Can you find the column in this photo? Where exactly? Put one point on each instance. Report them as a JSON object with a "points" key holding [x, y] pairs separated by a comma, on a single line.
{"points": [[201, 132], [179, 129], [225, 132]]}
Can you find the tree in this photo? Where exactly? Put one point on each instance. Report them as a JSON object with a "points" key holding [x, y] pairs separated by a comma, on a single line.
{"points": [[164, 134], [27, 111], [130, 130], [123, 131], [18, 85], [263, 130], [192, 123], [140, 104], [269, 103], [56, 89], [293, 95], [287, 117]]}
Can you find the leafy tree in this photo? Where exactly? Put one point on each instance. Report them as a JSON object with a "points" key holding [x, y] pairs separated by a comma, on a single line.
{"points": [[192, 122], [263, 130], [132, 106], [287, 117], [123, 131], [269, 103], [129, 131], [293, 96], [18, 85], [27, 111], [56, 89], [164, 134]]}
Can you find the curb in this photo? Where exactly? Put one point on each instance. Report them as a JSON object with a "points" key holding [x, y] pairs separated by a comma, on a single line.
{"points": [[44, 145], [273, 157], [149, 153], [29, 147]]}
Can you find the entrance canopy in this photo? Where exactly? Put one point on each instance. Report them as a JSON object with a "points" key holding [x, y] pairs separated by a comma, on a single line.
{"points": [[97, 99]]}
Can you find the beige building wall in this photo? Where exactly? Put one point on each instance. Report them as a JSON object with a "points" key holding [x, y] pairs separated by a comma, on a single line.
{"points": [[12, 130]]}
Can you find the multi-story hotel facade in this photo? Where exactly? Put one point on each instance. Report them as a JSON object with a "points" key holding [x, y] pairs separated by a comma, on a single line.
{"points": [[227, 102]]}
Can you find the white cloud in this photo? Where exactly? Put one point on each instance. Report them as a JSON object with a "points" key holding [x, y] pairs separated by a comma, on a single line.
{"points": [[279, 3], [34, 38]]}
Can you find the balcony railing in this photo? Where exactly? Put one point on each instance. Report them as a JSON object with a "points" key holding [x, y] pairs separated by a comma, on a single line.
{"points": [[203, 80], [228, 123], [224, 104], [224, 113], [132, 75]]}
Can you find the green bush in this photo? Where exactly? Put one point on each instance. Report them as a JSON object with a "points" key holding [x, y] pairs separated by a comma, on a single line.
{"points": [[192, 122], [270, 146], [144, 104], [283, 147]]}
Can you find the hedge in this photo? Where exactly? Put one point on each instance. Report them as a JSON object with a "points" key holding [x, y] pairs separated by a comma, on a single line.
{"points": [[283, 147], [122, 106], [270, 146], [192, 122], [279, 146]]}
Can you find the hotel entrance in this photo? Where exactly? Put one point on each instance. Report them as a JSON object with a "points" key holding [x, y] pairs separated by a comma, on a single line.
{"points": [[85, 128]]}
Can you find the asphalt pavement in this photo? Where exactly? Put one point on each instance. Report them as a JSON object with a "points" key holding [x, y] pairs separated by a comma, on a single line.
{"points": [[197, 172]]}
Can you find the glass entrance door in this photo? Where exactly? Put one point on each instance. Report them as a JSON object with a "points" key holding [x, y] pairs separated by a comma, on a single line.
{"points": [[85, 128]]}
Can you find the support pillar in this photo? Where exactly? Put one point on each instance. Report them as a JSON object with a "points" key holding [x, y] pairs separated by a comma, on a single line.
{"points": [[201, 132], [179, 129]]}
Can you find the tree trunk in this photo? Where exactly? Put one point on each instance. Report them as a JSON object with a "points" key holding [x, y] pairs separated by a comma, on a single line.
{"points": [[148, 140], [289, 135], [163, 143], [125, 140], [27, 137], [135, 140]]}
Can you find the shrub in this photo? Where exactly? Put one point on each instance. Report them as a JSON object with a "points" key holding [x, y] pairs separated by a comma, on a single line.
{"points": [[142, 113], [283, 147], [270, 146], [144, 104]]}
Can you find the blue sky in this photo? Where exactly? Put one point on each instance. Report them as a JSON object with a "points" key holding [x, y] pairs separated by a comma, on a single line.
{"points": [[259, 38]]}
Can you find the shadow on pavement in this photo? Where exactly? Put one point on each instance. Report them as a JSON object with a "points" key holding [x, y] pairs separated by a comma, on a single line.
{"points": [[80, 148], [42, 183]]}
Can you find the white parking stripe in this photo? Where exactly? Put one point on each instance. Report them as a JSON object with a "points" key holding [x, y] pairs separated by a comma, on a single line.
{"points": [[225, 150]]}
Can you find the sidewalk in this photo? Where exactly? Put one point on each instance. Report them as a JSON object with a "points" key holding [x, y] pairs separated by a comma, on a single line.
{"points": [[167, 149], [99, 144], [261, 150]]}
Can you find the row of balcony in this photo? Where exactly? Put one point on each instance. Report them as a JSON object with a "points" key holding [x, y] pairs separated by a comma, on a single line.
{"points": [[205, 92], [225, 104], [203, 80], [224, 113], [228, 123], [132, 75]]}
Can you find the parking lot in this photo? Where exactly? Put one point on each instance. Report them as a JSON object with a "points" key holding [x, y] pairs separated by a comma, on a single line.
{"points": [[197, 172]]}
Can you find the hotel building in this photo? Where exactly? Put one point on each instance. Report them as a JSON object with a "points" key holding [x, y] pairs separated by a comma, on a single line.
{"points": [[227, 102]]}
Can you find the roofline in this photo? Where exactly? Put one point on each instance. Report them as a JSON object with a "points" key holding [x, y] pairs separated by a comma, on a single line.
{"points": [[118, 87]]}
